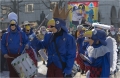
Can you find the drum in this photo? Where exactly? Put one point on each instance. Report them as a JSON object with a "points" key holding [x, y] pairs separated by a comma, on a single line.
{"points": [[24, 66]]}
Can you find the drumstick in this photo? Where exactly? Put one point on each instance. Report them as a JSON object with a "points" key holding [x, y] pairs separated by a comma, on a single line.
{"points": [[23, 51], [7, 56], [41, 23]]}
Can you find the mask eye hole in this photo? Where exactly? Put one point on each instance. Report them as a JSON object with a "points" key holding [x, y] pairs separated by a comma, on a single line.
{"points": [[57, 22]]}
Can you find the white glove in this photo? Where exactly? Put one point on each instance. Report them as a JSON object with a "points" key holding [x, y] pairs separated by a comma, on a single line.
{"points": [[31, 37]]}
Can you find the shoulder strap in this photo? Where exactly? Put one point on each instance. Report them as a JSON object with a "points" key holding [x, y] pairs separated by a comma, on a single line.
{"points": [[58, 53], [7, 38]]}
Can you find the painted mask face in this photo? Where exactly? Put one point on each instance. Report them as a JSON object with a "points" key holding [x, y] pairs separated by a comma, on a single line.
{"points": [[12, 27], [52, 29], [27, 28], [43, 31], [51, 26]]}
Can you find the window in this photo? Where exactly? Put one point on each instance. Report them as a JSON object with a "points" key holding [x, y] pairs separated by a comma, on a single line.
{"points": [[29, 8]]}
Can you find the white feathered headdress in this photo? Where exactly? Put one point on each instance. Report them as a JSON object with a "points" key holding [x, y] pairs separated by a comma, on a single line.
{"points": [[12, 16], [112, 45], [103, 26]]}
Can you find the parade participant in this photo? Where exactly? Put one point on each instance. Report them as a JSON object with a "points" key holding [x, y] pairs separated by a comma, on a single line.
{"points": [[28, 30], [112, 32], [4, 66], [111, 44], [13, 43], [98, 57], [80, 41], [41, 35], [60, 45]]}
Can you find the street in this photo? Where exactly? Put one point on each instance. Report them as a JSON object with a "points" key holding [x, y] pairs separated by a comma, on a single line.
{"points": [[42, 70]]}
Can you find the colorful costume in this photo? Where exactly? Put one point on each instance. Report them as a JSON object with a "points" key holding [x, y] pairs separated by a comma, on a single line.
{"points": [[32, 49], [13, 43], [98, 54], [80, 41], [64, 42]]}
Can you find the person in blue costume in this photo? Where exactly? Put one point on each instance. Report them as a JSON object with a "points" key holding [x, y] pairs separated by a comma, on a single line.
{"points": [[58, 38], [98, 54], [13, 43], [80, 41], [28, 30]]}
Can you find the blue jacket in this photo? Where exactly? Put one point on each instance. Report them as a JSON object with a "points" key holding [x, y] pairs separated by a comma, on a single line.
{"points": [[31, 32], [66, 46], [102, 62], [13, 42], [80, 42]]}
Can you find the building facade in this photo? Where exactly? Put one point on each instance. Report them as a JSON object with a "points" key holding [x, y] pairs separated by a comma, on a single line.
{"points": [[30, 10]]}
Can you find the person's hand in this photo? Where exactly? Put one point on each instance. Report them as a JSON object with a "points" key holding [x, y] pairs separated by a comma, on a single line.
{"points": [[26, 46], [31, 37], [7, 56], [67, 75], [82, 56]]}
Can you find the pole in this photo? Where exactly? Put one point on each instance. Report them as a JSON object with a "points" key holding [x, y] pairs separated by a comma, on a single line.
{"points": [[18, 10]]}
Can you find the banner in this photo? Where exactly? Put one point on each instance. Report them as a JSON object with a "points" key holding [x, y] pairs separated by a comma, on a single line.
{"points": [[86, 11]]}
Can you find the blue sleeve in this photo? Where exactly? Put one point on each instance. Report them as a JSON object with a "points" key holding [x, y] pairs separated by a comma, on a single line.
{"points": [[25, 39], [38, 43], [3, 44], [106, 66], [70, 56], [80, 43]]}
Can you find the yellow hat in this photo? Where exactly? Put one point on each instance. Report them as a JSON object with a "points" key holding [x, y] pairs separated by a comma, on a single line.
{"points": [[27, 27], [78, 33], [51, 22], [88, 34], [12, 22], [84, 28]]}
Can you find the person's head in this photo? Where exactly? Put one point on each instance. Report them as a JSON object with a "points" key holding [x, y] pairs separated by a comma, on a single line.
{"points": [[79, 28], [58, 22], [76, 9], [27, 26], [42, 11], [96, 37], [13, 25], [112, 30], [43, 30]]}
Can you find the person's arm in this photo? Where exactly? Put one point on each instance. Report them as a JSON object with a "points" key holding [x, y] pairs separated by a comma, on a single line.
{"points": [[70, 56], [3, 45], [106, 66], [41, 44]]}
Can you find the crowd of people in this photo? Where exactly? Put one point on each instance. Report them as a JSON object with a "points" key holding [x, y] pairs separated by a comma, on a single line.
{"points": [[95, 50]]}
